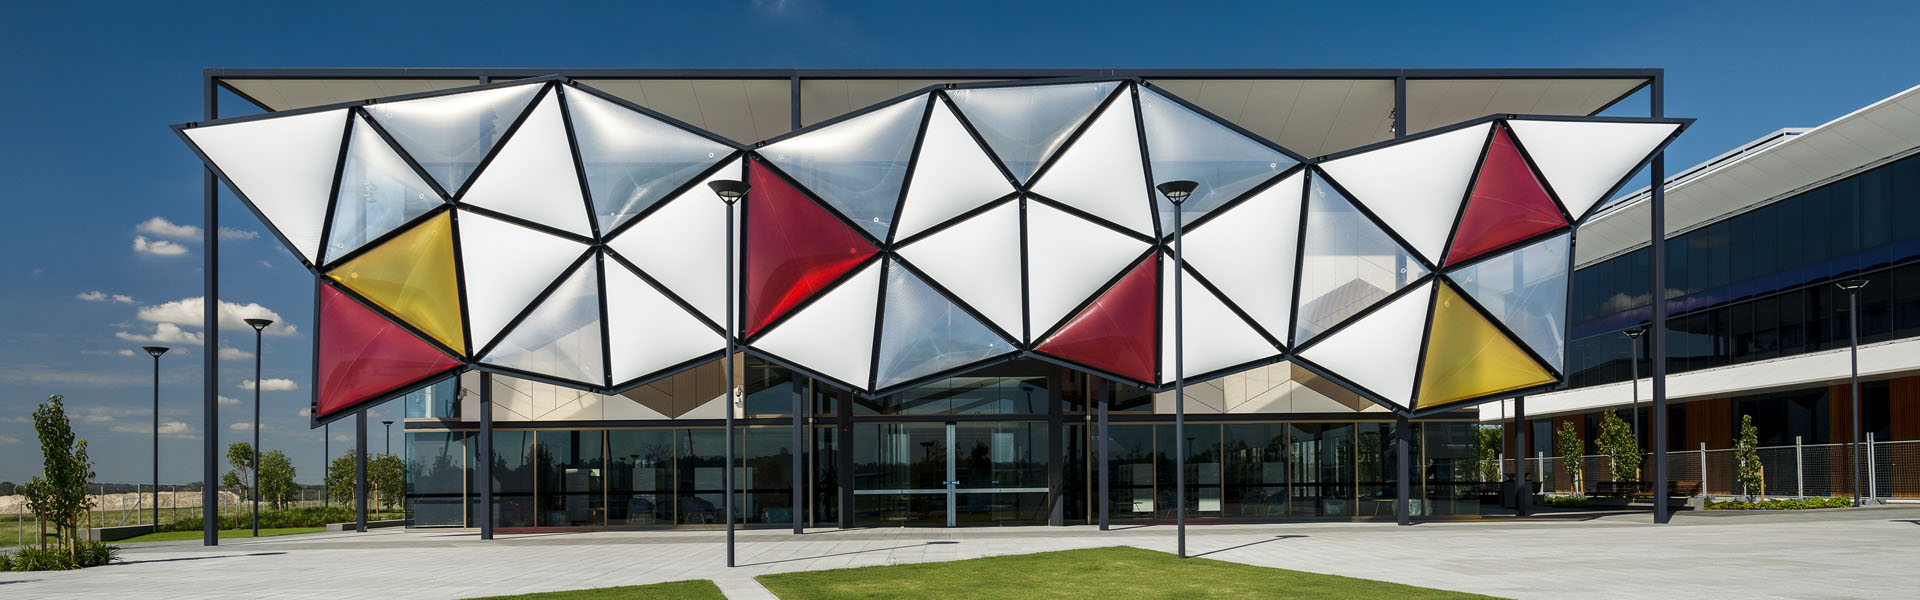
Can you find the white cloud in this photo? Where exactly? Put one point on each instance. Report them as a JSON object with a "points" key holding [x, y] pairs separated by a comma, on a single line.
{"points": [[306, 412], [246, 426], [7, 439], [227, 400], [160, 226], [157, 247], [120, 352], [229, 233], [49, 375], [190, 312], [232, 353], [163, 333], [271, 385], [99, 296]]}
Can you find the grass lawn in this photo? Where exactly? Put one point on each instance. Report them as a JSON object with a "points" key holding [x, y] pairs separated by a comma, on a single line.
{"points": [[1096, 573], [174, 536], [698, 589]]}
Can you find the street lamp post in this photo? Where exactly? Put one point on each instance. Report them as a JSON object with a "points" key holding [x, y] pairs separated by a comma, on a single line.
{"points": [[155, 352], [389, 436], [1853, 287], [1177, 193], [729, 191], [257, 325], [1633, 333]]}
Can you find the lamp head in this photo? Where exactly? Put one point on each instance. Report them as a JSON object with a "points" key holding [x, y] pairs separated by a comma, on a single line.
{"points": [[1177, 191], [1852, 285], [259, 324], [729, 190], [1634, 332], [386, 422], [154, 351]]}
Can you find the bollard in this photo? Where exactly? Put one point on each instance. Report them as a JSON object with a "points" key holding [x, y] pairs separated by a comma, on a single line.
{"points": [[1703, 468], [1873, 487], [1799, 469]]}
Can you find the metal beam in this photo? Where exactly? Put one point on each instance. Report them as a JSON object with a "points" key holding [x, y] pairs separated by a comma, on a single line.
{"points": [[799, 444], [484, 455], [1100, 399], [360, 471], [1402, 507], [209, 361], [1657, 330], [1522, 491]]}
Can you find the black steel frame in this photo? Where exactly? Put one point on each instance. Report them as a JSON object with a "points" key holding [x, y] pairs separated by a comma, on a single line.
{"points": [[1131, 82]]}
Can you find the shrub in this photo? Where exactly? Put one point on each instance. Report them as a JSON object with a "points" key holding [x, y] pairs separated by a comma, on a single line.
{"points": [[35, 559], [1782, 504], [94, 554], [305, 516], [6, 562], [1567, 501]]}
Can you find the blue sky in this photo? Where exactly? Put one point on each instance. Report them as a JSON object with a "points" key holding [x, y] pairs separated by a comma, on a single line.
{"points": [[90, 164]]}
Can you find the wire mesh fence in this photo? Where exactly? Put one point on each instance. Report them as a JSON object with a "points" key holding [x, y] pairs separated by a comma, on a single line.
{"points": [[120, 504], [1889, 470]]}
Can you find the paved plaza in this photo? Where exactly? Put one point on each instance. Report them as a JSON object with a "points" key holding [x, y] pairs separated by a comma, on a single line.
{"points": [[1860, 553]]}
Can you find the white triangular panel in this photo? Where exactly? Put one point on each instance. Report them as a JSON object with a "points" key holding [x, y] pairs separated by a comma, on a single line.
{"points": [[1381, 351], [1249, 252], [533, 176], [834, 335], [505, 267], [378, 192], [1068, 259], [856, 165], [978, 260], [1026, 124], [561, 337], [1416, 187], [284, 165], [951, 175], [682, 245], [1215, 337], [1583, 160], [449, 135], [1101, 172], [646, 331], [631, 159]]}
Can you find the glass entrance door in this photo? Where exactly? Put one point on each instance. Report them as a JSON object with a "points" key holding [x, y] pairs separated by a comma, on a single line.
{"points": [[950, 473]]}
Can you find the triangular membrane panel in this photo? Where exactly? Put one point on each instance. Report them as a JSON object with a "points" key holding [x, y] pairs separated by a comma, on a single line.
{"points": [[1583, 160], [1101, 172], [1526, 289], [1216, 338], [506, 267], [1467, 357], [647, 331], [833, 335], [1249, 252], [951, 176], [560, 338], [449, 135], [1347, 264], [1381, 350], [922, 332], [412, 276], [378, 193], [1183, 145], [1415, 186], [283, 166], [1116, 332], [1025, 125], [1068, 259], [1508, 204], [856, 165], [533, 176], [978, 260], [360, 356], [794, 248], [633, 160], [683, 244]]}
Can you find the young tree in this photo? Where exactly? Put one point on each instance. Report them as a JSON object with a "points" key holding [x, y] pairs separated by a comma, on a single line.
{"points": [[387, 475], [59, 494], [1571, 448], [1488, 440], [1746, 452], [276, 479], [339, 480], [241, 477], [1621, 447]]}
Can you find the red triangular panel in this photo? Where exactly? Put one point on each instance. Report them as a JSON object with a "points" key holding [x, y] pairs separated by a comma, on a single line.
{"points": [[794, 248], [1508, 204], [362, 355], [1115, 333]]}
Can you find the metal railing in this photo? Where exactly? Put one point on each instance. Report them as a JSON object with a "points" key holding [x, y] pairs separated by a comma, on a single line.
{"points": [[1888, 470]]}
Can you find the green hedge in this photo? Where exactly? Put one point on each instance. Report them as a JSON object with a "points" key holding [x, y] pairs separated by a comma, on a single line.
{"points": [[306, 516], [1781, 504], [88, 554], [1567, 501]]}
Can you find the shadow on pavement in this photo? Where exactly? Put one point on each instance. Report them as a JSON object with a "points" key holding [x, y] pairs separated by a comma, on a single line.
{"points": [[161, 560], [775, 562], [1274, 538]]}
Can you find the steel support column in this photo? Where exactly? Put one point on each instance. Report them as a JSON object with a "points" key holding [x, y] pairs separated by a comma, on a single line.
{"points": [[1522, 491], [799, 444], [360, 471], [1657, 330], [843, 458], [1100, 399], [1403, 507], [484, 453], [1056, 470], [209, 361]]}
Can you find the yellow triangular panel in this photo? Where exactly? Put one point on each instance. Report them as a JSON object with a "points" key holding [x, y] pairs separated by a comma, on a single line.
{"points": [[1467, 357], [411, 276]]}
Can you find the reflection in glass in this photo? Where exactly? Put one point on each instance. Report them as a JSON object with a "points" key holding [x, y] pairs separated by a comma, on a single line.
{"points": [[1348, 263], [570, 478], [512, 478], [856, 165], [436, 478], [631, 159], [1527, 290], [1323, 463], [449, 135], [561, 337], [438, 400], [923, 333], [1024, 125], [1183, 145], [378, 193], [1256, 472], [640, 477]]}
